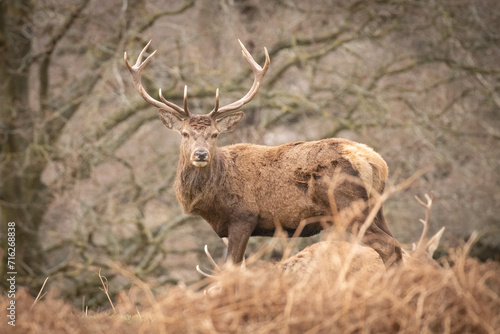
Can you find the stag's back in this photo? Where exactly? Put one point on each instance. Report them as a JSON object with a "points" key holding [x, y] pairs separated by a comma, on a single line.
{"points": [[290, 182]]}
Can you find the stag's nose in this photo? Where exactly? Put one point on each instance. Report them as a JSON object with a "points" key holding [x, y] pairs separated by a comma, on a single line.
{"points": [[200, 158], [201, 155]]}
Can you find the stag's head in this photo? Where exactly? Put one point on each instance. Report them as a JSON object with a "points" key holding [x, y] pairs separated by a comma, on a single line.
{"points": [[199, 132]]}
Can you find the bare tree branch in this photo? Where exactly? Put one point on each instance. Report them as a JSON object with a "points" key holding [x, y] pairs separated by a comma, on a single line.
{"points": [[50, 47]]}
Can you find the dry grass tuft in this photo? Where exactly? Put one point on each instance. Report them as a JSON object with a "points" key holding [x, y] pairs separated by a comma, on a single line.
{"points": [[461, 297]]}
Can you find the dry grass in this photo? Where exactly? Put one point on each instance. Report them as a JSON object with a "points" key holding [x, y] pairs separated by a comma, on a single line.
{"points": [[461, 297]]}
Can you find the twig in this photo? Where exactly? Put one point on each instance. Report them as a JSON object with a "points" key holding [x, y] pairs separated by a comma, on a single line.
{"points": [[104, 282], [135, 280], [39, 296]]}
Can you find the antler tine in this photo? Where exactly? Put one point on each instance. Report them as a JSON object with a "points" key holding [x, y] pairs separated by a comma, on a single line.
{"points": [[258, 72], [139, 58], [136, 70], [186, 99], [178, 109], [198, 269], [425, 221], [216, 99], [212, 261]]}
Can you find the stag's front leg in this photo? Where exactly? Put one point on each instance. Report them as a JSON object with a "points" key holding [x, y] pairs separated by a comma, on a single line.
{"points": [[238, 235]]}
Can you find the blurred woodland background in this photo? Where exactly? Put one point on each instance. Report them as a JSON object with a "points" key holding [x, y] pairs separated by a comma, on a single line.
{"points": [[87, 168]]}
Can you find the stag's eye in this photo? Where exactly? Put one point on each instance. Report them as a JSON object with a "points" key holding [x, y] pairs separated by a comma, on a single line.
{"points": [[185, 135], [215, 135]]}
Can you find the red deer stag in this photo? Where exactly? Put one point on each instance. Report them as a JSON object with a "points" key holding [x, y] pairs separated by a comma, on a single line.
{"points": [[244, 190]]}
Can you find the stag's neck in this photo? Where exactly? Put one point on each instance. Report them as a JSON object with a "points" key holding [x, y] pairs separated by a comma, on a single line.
{"points": [[196, 187]]}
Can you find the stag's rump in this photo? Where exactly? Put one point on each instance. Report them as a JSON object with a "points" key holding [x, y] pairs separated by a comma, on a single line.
{"points": [[285, 184]]}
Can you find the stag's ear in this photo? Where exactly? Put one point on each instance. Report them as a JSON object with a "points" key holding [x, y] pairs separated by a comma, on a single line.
{"points": [[230, 122], [170, 120]]}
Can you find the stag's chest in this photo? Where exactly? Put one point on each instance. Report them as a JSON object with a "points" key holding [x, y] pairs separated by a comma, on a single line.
{"points": [[216, 213], [214, 201]]}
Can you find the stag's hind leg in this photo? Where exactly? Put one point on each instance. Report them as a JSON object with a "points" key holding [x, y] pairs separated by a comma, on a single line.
{"points": [[350, 196], [381, 240]]}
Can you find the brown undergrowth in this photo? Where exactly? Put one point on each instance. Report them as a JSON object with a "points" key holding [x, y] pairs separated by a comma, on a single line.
{"points": [[462, 296]]}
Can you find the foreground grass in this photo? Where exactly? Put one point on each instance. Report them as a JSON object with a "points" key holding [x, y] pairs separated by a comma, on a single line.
{"points": [[461, 297]]}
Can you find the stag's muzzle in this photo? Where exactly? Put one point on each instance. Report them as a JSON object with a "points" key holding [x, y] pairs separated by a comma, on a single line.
{"points": [[200, 158]]}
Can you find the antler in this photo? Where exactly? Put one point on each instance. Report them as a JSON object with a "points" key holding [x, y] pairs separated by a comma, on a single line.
{"points": [[258, 72], [136, 70], [211, 259], [425, 222]]}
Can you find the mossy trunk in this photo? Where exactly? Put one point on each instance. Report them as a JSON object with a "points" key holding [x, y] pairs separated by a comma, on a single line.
{"points": [[22, 196]]}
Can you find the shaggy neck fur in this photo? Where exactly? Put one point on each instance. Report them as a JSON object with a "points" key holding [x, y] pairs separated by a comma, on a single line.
{"points": [[196, 187]]}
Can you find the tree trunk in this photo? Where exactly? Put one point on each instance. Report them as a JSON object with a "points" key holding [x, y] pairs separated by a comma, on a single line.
{"points": [[22, 198]]}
